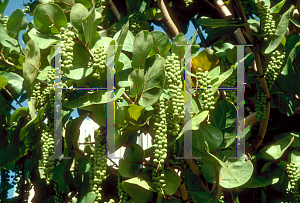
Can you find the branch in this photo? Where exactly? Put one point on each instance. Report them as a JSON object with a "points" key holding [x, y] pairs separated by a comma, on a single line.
{"points": [[114, 9], [168, 21], [5, 61], [199, 32], [244, 18], [248, 120], [12, 96], [195, 169], [223, 10], [264, 124], [217, 172], [125, 96]]}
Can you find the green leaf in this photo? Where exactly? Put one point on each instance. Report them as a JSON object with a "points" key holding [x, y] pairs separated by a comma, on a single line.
{"points": [[294, 157], [261, 180], [210, 22], [154, 83], [222, 78], [276, 150], [136, 81], [3, 81], [277, 7], [295, 143], [172, 181], [31, 65], [43, 40], [128, 42], [90, 24], [120, 41], [3, 6], [224, 116], [83, 164], [293, 20], [161, 44], [99, 97], [7, 41], [241, 168], [207, 134], [138, 189], [16, 22], [59, 176], [203, 197], [280, 31], [49, 18], [142, 46], [178, 45], [78, 13], [127, 168], [88, 198], [43, 74], [194, 122], [206, 60], [222, 49], [18, 113]]}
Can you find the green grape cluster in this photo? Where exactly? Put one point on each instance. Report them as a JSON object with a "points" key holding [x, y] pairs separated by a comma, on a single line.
{"points": [[58, 197], [222, 198], [47, 143], [294, 176], [160, 144], [267, 22], [273, 68], [101, 4], [174, 82], [207, 95], [98, 164], [124, 197], [26, 9], [135, 22], [229, 82], [188, 2], [260, 108], [18, 179], [49, 91], [67, 47], [37, 93], [100, 56], [4, 21]]}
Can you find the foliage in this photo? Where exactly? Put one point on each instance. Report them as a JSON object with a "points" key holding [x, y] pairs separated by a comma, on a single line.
{"points": [[189, 110]]}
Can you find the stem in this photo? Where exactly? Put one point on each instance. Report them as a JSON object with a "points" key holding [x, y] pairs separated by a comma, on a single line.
{"points": [[12, 96], [244, 18], [167, 18], [217, 172], [264, 124], [114, 9], [5, 61], [210, 4], [125, 96], [20, 47]]}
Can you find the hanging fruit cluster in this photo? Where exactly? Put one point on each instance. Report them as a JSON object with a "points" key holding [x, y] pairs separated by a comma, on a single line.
{"points": [[4, 20], [207, 95], [135, 22], [67, 44], [229, 82], [267, 22], [294, 176], [160, 144], [100, 56], [98, 164], [124, 197]]}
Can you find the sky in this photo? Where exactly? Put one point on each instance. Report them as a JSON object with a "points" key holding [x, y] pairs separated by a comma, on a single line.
{"points": [[14, 4]]}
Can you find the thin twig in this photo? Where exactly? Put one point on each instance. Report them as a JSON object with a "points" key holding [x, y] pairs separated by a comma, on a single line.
{"points": [[210, 4], [125, 96], [167, 18], [21, 48], [114, 9], [12, 96], [217, 172], [6, 62]]}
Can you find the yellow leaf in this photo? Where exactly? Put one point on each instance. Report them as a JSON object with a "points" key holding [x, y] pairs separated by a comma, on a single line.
{"points": [[206, 60]]}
